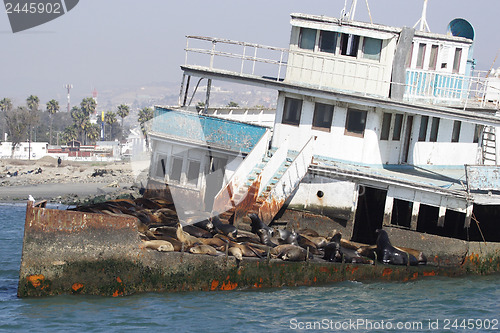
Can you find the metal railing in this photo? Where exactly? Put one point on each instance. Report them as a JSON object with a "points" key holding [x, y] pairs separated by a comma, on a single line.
{"points": [[272, 63]]}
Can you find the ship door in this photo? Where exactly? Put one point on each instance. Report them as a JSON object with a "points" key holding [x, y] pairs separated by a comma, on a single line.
{"points": [[369, 214], [407, 139], [214, 180]]}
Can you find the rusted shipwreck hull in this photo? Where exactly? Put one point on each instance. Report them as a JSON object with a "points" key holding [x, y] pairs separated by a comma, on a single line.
{"points": [[70, 252]]}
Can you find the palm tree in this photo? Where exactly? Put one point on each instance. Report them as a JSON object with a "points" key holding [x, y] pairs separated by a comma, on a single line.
{"points": [[123, 111], [69, 134], [5, 106], [93, 132], [110, 119], [145, 115], [52, 108], [88, 106], [33, 102], [79, 120], [17, 123]]}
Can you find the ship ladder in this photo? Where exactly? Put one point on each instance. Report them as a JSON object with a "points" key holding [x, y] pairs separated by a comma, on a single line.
{"points": [[489, 146]]}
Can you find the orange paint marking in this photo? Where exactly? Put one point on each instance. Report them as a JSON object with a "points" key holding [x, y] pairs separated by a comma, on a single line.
{"points": [[36, 280], [415, 275], [387, 271], [119, 280], [229, 285], [431, 273], [77, 287], [315, 279], [214, 285], [117, 293]]}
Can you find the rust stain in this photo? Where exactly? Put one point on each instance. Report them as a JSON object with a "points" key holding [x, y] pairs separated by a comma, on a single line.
{"points": [[214, 285], [431, 273], [354, 269], [36, 280], [415, 275], [315, 279], [323, 269], [118, 280], [117, 293], [229, 285], [386, 272], [77, 287]]}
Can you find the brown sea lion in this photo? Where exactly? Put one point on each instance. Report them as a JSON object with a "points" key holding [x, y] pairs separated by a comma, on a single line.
{"points": [[159, 245], [306, 243], [172, 240], [308, 232], [197, 232], [165, 230], [319, 241], [203, 249], [388, 254], [186, 238], [216, 242], [235, 252]]}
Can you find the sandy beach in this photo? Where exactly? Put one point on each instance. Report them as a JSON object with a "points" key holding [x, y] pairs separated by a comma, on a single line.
{"points": [[70, 182]]}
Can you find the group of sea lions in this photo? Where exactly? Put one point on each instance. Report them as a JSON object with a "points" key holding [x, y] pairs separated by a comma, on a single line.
{"points": [[161, 230]]}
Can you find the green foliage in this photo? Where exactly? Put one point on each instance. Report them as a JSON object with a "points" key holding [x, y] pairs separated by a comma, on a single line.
{"points": [[233, 104], [5, 105], [18, 121], [123, 111], [33, 101], [87, 106], [145, 115]]}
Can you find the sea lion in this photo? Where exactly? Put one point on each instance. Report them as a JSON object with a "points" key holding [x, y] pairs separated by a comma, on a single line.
{"points": [[308, 232], [203, 249], [215, 242], [159, 245], [197, 232], [388, 254], [225, 229], [285, 236], [421, 258], [235, 252], [172, 240], [257, 224], [265, 238], [185, 238], [319, 241], [294, 253], [205, 224], [332, 249], [306, 243], [165, 230], [246, 249]]}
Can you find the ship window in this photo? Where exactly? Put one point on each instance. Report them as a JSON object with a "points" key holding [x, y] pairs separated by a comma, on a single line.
{"points": [[292, 111], [455, 136], [193, 172], [456, 60], [372, 48], [434, 129], [160, 167], [307, 38], [401, 213], [327, 41], [349, 45], [420, 55], [477, 133], [175, 172], [434, 55], [386, 126], [323, 114], [424, 122], [355, 122], [398, 124]]}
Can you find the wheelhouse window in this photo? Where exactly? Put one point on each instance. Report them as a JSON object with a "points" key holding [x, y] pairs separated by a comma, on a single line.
{"points": [[292, 111], [307, 38], [455, 135], [323, 115], [420, 56], [355, 122], [349, 45], [327, 41], [176, 170], [398, 125], [386, 126], [434, 55], [434, 129], [160, 167], [193, 172], [424, 122], [456, 60], [372, 47]]}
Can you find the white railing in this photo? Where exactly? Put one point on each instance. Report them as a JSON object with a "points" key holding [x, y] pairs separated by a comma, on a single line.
{"points": [[272, 63], [273, 165]]}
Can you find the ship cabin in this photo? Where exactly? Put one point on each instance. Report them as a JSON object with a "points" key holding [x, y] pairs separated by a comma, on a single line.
{"points": [[375, 126]]}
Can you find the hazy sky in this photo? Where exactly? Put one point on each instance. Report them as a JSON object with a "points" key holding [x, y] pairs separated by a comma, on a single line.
{"points": [[115, 43]]}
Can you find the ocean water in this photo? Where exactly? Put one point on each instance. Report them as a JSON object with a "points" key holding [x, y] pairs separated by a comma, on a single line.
{"points": [[433, 304]]}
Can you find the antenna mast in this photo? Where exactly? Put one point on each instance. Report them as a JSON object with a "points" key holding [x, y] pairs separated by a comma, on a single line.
{"points": [[423, 20], [69, 87]]}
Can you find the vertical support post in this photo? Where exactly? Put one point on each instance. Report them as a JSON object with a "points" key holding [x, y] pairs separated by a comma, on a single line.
{"points": [[187, 90], [389, 202], [181, 90], [207, 99], [212, 55], [442, 213], [414, 215], [243, 59], [254, 59], [468, 215], [279, 66]]}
